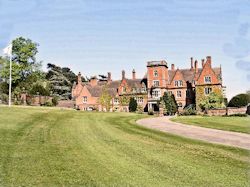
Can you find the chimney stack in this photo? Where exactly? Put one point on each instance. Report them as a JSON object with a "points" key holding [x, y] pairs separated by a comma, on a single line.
{"points": [[196, 66], [209, 60], [202, 62], [192, 63], [172, 67], [123, 74], [133, 74], [93, 81], [109, 77], [79, 78]]}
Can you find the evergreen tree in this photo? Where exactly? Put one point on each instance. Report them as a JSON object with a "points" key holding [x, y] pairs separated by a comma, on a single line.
{"points": [[169, 103], [132, 104]]}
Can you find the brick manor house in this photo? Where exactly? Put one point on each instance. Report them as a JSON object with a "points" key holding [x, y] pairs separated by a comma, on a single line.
{"points": [[160, 78]]}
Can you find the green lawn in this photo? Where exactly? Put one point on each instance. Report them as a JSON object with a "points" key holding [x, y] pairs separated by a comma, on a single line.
{"points": [[68, 148], [236, 124]]}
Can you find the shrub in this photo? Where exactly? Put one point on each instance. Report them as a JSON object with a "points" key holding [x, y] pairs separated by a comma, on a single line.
{"points": [[4, 98], [37, 88], [132, 105], [48, 103], [212, 101], [139, 109], [169, 103], [239, 100], [150, 112], [55, 101], [188, 110]]}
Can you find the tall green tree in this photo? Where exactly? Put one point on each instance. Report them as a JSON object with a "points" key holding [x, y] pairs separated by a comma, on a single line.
{"points": [[61, 80], [169, 103], [132, 105], [24, 62]]}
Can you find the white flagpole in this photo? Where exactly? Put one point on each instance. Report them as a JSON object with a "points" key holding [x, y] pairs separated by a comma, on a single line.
{"points": [[10, 81]]}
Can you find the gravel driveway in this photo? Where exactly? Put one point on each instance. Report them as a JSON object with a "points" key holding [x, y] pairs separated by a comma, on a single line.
{"points": [[200, 133]]}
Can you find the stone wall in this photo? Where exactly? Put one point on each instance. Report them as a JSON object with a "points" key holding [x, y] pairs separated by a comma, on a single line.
{"points": [[226, 111]]}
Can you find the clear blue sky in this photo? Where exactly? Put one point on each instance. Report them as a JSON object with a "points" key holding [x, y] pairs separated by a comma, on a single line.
{"points": [[97, 36]]}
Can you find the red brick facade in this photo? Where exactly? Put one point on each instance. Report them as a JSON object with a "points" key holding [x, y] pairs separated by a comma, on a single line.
{"points": [[182, 83]]}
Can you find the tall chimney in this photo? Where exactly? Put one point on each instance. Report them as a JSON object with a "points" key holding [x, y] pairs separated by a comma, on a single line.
{"points": [[79, 78], [109, 77], [133, 74], [123, 74], [192, 63], [172, 67], [202, 62], [209, 60], [196, 66]]}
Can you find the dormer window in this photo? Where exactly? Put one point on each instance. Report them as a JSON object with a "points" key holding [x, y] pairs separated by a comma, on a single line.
{"points": [[155, 73], [207, 79], [178, 83]]}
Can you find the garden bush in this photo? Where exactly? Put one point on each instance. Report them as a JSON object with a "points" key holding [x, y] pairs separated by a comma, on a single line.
{"points": [[240, 100]]}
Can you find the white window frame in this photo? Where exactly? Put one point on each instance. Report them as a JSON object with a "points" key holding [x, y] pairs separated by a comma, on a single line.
{"points": [[116, 101], [178, 83], [178, 95], [207, 90], [85, 99], [207, 79], [154, 83]]}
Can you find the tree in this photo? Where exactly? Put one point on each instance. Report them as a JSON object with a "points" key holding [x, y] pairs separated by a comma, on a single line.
{"points": [[169, 103], [239, 100], [61, 80], [105, 98], [212, 101], [24, 62], [132, 105]]}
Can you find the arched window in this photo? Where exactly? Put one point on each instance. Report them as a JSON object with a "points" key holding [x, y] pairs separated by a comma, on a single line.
{"points": [[155, 73]]}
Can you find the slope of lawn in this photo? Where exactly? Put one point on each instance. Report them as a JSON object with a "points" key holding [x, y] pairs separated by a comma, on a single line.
{"points": [[236, 124], [45, 147]]}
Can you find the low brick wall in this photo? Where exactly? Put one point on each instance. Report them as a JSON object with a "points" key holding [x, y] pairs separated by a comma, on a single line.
{"points": [[226, 111], [234, 110], [217, 112], [66, 104]]}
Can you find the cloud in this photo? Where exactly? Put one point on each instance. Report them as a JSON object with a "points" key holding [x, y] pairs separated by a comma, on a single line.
{"points": [[239, 49], [243, 30], [243, 65]]}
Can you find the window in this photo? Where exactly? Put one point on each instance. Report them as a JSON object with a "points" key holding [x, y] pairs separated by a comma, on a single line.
{"points": [[85, 99], [207, 79], [156, 83], [170, 92], [124, 89], [180, 104], [134, 90], [155, 73], [143, 89], [208, 90], [178, 83], [155, 93], [116, 101], [178, 93], [139, 99]]}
